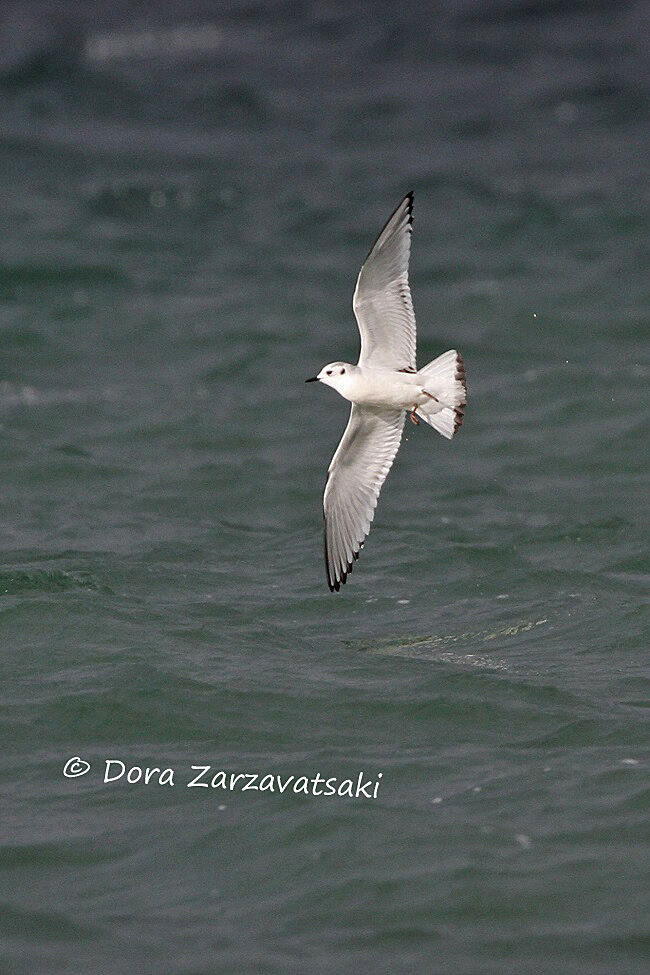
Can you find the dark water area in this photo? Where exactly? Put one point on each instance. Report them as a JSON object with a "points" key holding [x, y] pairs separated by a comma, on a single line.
{"points": [[187, 197]]}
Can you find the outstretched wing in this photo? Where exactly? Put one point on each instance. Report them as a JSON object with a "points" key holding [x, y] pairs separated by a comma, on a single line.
{"points": [[354, 479], [382, 298]]}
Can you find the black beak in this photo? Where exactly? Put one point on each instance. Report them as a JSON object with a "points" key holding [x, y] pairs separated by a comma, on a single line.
{"points": [[314, 379]]}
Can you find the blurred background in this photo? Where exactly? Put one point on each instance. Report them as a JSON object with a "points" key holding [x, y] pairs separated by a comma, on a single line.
{"points": [[187, 196]]}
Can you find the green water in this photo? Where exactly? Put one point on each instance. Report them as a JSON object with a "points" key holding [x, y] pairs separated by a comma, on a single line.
{"points": [[181, 232]]}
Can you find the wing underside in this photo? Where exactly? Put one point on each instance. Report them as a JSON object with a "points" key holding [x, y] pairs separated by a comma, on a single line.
{"points": [[382, 298], [355, 477]]}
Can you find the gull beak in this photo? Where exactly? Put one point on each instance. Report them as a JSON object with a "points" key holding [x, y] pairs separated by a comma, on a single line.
{"points": [[314, 379]]}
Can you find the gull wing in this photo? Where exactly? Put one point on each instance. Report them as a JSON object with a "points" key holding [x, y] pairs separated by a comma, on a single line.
{"points": [[382, 298], [354, 479]]}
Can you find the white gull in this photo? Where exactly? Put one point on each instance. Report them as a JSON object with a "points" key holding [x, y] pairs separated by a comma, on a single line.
{"points": [[382, 387]]}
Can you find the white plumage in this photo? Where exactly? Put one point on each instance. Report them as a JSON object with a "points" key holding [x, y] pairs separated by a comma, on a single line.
{"points": [[382, 387], [382, 298]]}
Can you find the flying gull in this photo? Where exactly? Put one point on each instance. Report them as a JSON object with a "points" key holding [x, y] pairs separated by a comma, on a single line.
{"points": [[383, 386]]}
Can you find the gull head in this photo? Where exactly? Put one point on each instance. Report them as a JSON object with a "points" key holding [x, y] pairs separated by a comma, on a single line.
{"points": [[334, 374]]}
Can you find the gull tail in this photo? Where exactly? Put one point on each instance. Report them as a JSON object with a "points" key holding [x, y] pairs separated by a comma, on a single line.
{"points": [[444, 380]]}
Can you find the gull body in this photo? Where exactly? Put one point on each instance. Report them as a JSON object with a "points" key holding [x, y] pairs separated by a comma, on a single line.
{"points": [[383, 386]]}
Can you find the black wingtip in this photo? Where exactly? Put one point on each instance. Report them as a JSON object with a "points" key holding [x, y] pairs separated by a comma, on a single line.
{"points": [[408, 199], [409, 196], [335, 584]]}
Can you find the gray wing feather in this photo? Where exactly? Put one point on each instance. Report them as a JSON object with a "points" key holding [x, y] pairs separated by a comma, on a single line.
{"points": [[354, 479], [382, 298]]}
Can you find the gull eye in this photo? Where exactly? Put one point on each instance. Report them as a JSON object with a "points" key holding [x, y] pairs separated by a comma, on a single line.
{"points": [[329, 372], [342, 372]]}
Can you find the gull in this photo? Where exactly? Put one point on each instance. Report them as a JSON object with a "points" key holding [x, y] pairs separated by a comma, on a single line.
{"points": [[383, 387]]}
